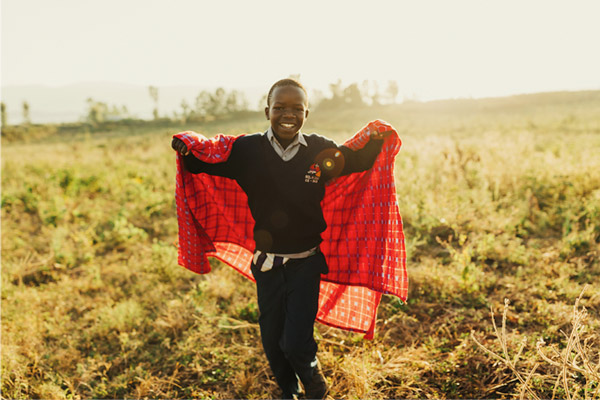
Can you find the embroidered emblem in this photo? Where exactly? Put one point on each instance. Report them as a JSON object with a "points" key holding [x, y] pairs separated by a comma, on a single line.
{"points": [[313, 174]]}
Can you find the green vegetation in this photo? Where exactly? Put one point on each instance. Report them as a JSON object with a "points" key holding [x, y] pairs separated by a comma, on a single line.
{"points": [[500, 199]]}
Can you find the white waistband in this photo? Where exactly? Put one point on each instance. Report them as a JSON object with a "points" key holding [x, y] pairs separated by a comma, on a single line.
{"points": [[270, 257]]}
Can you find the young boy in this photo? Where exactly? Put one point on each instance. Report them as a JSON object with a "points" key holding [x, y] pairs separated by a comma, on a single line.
{"points": [[283, 173]]}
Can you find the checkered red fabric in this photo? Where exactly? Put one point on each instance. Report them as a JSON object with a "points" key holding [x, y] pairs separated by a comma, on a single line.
{"points": [[363, 243]]}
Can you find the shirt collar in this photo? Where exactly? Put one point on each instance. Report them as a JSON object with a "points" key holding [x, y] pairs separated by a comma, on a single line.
{"points": [[298, 139]]}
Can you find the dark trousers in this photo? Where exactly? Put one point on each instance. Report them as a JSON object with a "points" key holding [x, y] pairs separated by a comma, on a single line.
{"points": [[288, 299]]}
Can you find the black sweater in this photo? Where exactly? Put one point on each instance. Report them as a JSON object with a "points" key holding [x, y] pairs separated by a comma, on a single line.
{"points": [[284, 197]]}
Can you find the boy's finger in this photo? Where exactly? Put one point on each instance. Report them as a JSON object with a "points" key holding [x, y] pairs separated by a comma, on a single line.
{"points": [[175, 144], [381, 135], [179, 146], [182, 150]]}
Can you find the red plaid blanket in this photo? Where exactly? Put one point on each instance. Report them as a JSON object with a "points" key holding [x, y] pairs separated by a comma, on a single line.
{"points": [[363, 243]]}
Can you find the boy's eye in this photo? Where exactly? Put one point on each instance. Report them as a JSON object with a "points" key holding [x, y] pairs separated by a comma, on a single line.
{"points": [[295, 109]]}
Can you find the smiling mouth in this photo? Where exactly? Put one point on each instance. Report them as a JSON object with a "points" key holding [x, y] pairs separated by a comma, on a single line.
{"points": [[287, 126]]}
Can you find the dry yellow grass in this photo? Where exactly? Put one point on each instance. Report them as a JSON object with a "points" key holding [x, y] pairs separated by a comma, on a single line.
{"points": [[574, 364], [500, 199]]}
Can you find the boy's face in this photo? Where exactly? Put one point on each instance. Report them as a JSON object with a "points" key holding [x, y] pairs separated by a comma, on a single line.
{"points": [[287, 112]]}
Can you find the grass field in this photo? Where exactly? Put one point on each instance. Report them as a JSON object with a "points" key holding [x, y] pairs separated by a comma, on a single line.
{"points": [[500, 200]]}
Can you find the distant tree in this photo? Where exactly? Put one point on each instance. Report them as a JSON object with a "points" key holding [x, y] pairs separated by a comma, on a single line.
{"points": [[231, 102], [185, 111], [392, 91], [99, 112], [236, 101], [96, 111], [26, 117], [154, 95], [3, 111], [337, 96], [352, 95], [244, 104], [336, 90], [262, 103], [365, 86], [315, 98], [202, 105], [217, 105], [375, 95], [114, 113], [349, 96]]}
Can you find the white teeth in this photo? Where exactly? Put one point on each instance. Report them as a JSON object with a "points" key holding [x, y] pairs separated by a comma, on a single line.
{"points": [[287, 125]]}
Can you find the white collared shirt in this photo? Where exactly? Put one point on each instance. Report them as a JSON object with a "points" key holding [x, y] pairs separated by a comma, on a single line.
{"points": [[289, 152]]}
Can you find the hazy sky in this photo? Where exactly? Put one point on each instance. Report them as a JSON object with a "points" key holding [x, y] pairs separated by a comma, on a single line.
{"points": [[432, 48]]}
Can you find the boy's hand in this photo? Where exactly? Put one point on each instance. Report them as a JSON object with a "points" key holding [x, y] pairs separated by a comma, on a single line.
{"points": [[380, 135], [179, 146]]}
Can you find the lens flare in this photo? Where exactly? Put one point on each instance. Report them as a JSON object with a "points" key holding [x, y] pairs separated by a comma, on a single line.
{"points": [[328, 164], [331, 161]]}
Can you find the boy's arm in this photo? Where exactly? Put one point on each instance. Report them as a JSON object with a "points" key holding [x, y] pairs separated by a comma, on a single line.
{"points": [[195, 166], [361, 159], [225, 169], [342, 160]]}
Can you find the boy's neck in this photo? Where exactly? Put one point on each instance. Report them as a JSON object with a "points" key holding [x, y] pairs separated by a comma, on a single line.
{"points": [[285, 142]]}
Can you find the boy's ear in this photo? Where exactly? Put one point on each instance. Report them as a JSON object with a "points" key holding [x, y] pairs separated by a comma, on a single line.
{"points": [[306, 113], [267, 112]]}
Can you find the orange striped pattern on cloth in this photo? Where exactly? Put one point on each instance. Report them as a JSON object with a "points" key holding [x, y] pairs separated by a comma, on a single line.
{"points": [[363, 244]]}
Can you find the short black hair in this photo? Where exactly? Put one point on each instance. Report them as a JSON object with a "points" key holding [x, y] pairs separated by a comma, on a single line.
{"points": [[283, 83]]}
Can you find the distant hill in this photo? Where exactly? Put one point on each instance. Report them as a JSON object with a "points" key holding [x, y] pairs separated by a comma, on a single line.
{"points": [[68, 103], [528, 109]]}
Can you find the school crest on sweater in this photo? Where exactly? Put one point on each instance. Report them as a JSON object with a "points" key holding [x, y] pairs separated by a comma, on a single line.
{"points": [[313, 174], [363, 243]]}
